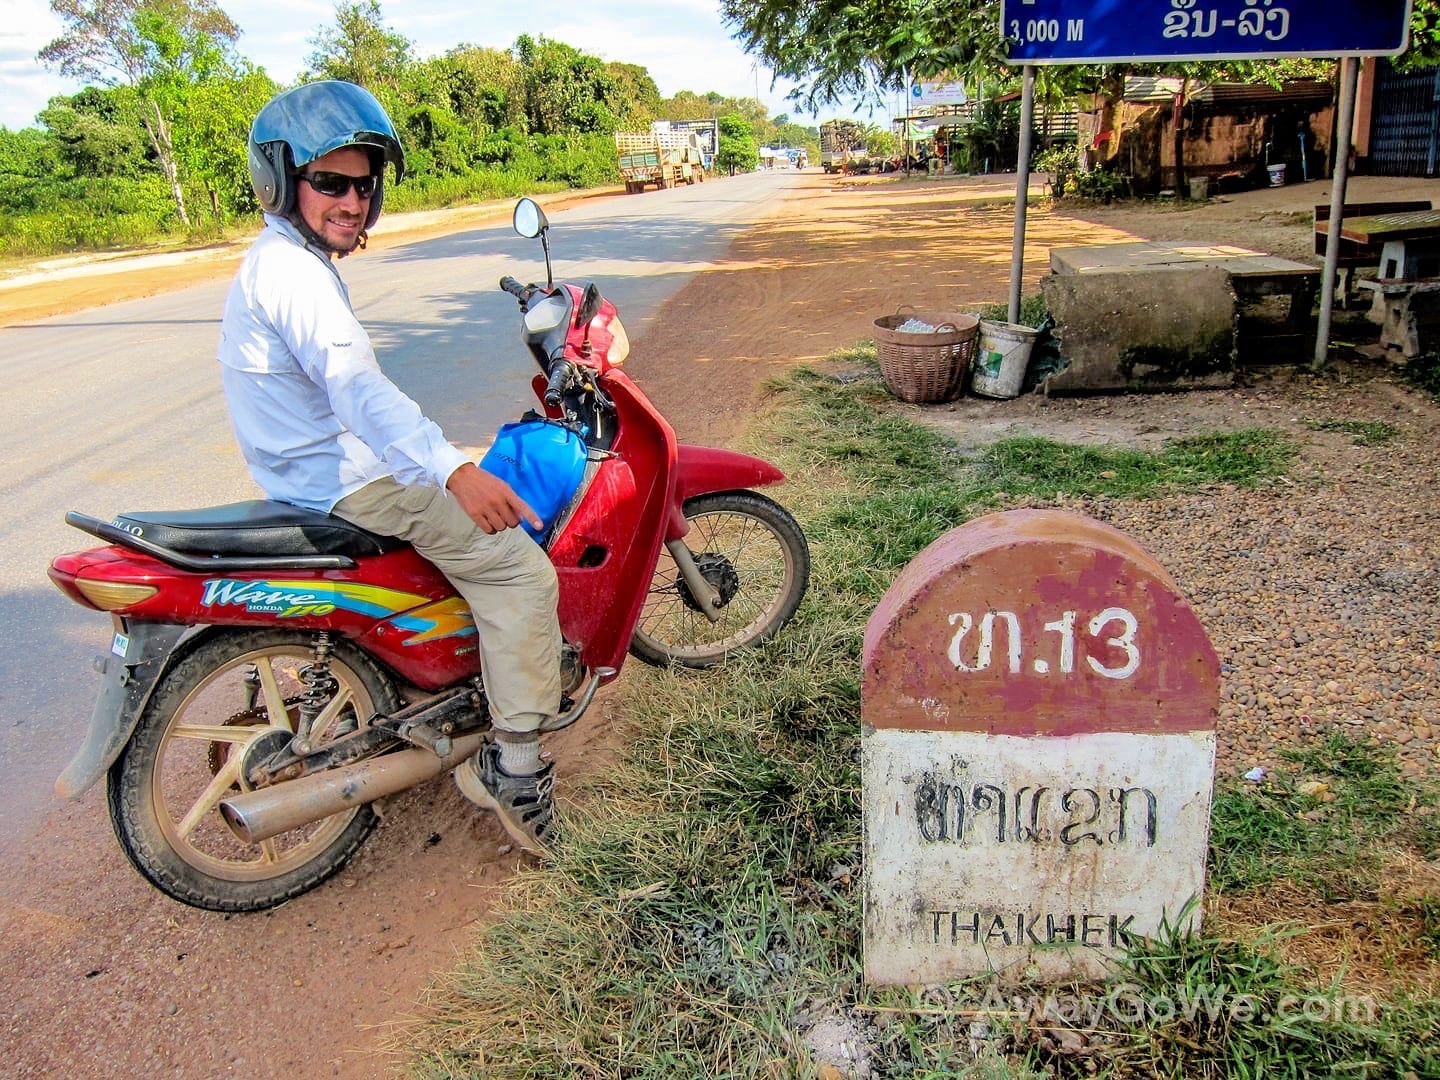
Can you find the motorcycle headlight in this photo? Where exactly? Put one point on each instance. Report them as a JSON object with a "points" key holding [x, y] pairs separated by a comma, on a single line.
{"points": [[620, 346]]}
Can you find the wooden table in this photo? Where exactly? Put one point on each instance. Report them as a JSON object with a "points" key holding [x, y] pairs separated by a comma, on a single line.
{"points": [[1253, 275], [1382, 228], [1411, 240], [1409, 268]]}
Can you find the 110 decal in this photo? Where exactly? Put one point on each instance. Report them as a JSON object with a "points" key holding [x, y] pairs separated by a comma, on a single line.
{"points": [[1107, 642]]}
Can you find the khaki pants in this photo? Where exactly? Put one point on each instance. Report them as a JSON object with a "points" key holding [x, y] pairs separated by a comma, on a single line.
{"points": [[506, 579]]}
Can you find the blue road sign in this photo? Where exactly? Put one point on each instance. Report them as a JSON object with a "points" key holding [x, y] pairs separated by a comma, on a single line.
{"points": [[1103, 31]]}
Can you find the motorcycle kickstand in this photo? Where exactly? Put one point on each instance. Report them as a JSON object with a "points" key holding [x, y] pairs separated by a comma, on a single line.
{"points": [[706, 596], [565, 719]]}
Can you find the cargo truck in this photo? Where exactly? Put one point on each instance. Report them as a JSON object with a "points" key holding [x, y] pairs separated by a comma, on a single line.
{"points": [[660, 156], [841, 141]]}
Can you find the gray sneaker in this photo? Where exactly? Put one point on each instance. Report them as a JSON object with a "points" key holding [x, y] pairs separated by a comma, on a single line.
{"points": [[525, 805]]}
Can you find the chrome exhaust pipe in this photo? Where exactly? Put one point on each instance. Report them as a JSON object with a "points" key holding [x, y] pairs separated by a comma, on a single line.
{"points": [[259, 815]]}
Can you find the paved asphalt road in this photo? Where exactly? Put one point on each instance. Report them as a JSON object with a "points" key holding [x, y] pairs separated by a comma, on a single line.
{"points": [[119, 408]]}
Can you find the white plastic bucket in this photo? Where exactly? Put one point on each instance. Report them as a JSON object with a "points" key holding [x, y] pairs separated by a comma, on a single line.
{"points": [[1002, 359], [1277, 175]]}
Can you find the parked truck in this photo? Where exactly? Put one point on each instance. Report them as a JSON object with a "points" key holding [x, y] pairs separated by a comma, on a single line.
{"points": [[661, 156], [708, 132], [841, 141]]}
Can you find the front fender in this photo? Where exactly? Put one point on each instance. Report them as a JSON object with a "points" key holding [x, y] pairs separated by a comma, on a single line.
{"points": [[130, 671], [699, 470]]}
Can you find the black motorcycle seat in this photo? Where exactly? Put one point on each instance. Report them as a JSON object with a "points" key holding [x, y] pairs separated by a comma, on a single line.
{"points": [[258, 527]]}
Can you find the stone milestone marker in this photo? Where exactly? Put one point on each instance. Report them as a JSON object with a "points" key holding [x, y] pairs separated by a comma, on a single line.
{"points": [[1038, 751]]}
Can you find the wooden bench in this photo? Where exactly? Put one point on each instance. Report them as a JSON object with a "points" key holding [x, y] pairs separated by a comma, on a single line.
{"points": [[1353, 254]]}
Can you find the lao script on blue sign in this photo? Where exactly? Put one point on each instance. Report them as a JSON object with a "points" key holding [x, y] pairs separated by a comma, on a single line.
{"points": [[1102, 31]]}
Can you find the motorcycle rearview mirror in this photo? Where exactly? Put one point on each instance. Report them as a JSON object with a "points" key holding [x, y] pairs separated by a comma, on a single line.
{"points": [[530, 221]]}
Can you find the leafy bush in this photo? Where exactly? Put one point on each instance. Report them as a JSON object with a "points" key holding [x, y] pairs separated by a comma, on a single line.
{"points": [[1033, 311], [1062, 163], [1101, 184], [41, 217], [1068, 178], [578, 161]]}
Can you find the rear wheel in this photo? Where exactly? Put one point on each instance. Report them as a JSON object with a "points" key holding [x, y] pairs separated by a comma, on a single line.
{"points": [[231, 701], [752, 551]]}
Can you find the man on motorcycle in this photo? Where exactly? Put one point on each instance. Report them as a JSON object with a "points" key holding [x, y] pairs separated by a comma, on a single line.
{"points": [[322, 427]]}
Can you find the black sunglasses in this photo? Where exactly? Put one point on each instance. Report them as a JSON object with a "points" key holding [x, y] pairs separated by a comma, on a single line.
{"points": [[336, 184]]}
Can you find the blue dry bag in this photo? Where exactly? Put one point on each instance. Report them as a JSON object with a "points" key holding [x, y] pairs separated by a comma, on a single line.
{"points": [[544, 462]]}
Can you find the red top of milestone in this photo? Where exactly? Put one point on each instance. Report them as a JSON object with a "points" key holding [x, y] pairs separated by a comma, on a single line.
{"points": [[1037, 622]]}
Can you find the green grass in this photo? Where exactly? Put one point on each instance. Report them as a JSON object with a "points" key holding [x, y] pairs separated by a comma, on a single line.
{"points": [[1271, 1020], [704, 910], [1033, 311], [1278, 830], [1366, 432]]}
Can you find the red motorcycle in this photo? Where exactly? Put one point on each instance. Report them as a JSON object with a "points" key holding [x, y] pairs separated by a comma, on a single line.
{"points": [[275, 670]]}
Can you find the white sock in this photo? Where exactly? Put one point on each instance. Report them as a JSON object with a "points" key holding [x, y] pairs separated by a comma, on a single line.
{"points": [[520, 757]]}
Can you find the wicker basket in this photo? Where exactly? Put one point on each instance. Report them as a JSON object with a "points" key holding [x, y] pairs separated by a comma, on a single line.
{"points": [[924, 368]]}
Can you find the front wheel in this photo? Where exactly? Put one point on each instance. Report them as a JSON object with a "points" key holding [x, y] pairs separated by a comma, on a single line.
{"points": [[752, 551], [231, 700]]}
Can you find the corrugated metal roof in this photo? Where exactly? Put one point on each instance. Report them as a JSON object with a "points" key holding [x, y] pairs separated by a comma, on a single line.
{"points": [[1303, 91], [1151, 89]]}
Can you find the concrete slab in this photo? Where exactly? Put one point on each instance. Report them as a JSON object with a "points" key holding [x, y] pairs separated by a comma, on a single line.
{"points": [[1138, 329]]}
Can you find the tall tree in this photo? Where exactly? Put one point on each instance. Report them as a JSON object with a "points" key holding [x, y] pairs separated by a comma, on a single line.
{"points": [[96, 132], [360, 48], [834, 49], [566, 90], [149, 45], [486, 87], [212, 122], [841, 48], [737, 151], [638, 93]]}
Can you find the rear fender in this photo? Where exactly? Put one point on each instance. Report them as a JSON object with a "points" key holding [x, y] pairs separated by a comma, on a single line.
{"points": [[130, 670], [701, 470]]}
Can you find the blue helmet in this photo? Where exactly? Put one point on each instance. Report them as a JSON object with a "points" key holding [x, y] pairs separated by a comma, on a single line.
{"points": [[298, 126], [543, 462]]}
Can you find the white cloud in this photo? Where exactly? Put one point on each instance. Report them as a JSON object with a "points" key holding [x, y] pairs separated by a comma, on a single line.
{"points": [[25, 86], [682, 42]]}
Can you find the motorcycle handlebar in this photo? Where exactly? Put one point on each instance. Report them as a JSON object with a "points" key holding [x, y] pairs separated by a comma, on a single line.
{"points": [[561, 370], [559, 376]]}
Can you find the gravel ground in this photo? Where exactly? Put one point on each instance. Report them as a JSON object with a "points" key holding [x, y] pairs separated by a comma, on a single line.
{"points": [[1319, 592]]}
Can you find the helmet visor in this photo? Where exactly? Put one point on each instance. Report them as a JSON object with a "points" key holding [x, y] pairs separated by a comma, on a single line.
{"points": [[318, 117]]}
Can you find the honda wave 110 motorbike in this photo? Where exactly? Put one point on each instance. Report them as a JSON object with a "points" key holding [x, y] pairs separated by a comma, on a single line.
{"points": [[274, 670]]}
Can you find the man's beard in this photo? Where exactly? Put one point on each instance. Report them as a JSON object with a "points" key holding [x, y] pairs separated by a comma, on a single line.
{"points": [[314, 239]]}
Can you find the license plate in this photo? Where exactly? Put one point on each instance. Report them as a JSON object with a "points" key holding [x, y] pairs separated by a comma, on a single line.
{"points": [[120, 644]]}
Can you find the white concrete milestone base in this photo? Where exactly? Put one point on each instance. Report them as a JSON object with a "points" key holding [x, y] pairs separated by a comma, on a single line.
{"points": [[1037, 755]]}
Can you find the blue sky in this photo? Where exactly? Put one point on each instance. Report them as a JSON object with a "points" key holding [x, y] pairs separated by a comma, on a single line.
{"points": [[682, 42]]}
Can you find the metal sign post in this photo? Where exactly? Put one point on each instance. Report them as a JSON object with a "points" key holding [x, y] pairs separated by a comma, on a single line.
{"points": [[1022, 192], [1344, 124]]}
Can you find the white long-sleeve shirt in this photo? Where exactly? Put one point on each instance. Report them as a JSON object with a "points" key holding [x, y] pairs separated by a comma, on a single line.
{"points": [[315, 416]]}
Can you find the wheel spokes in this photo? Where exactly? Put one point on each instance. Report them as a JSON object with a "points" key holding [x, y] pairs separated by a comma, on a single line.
{"points": [[202, 757], [274, 700], [331, 712], [223, 781], [213, 733], [756, 557]]}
